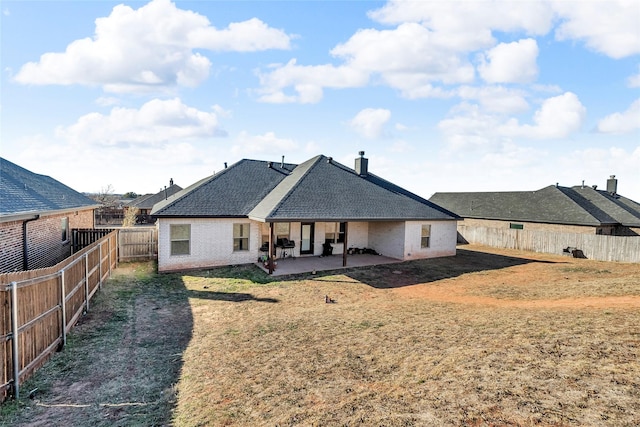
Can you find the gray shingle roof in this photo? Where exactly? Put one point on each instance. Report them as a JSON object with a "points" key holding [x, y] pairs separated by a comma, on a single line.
{"points": [[317, 189], [320, 189], [232, 192], [22, 191], [552, 204], [149, 200]]}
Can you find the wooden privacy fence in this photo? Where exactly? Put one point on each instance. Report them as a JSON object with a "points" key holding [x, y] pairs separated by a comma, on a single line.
{"points": [[39, 307], [137, 243], [594, 246]]}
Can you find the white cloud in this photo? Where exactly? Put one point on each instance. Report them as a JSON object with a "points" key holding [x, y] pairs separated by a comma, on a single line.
{"points": [[471, 127], [370, 122], [496, 98], [148, 49], [155, 122], [634, 80], [606, 26], [406, 51], [510, 62], [269, 143], [619, 123], [557, 117], [307, 81], [468, 25]]}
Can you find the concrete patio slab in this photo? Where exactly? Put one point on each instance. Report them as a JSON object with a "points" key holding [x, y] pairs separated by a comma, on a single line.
{"points": [[309, 264]]}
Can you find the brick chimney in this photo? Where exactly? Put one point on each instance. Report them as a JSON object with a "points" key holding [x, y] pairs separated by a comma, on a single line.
{"points": [[362, 165], [612, 185]]}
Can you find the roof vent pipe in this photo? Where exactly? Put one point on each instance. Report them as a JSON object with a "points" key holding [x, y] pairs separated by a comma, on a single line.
{"points": [[329, 159], [225, 165], [583, 183], [362, 165], [282, 164], [269, 165], [170, 181]]}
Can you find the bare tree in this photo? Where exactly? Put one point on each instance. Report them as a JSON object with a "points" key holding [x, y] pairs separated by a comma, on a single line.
{"points": [[106, 197]]}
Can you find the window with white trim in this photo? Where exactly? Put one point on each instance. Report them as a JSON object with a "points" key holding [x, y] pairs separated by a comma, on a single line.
{"points": [[180, 236], [241, 237], [334, 232], [425, 236]]}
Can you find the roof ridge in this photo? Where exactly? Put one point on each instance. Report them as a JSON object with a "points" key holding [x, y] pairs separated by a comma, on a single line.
{"points": [[304, 169], [174, 198]]}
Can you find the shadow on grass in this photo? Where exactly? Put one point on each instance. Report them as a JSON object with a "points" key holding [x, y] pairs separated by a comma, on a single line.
{"points": [[425, 270], [381, 276], [229, 296]]}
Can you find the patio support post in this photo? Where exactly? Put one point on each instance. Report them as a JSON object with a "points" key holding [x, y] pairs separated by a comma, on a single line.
{"points": [[345, 244], [270, 252]]}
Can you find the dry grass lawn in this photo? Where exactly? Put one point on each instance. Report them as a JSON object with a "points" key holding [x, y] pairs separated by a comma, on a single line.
{"points": [[489, 337]]}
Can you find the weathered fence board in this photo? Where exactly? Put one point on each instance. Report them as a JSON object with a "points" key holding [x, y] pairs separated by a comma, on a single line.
{"points": [[594, 246], [137, 243]]}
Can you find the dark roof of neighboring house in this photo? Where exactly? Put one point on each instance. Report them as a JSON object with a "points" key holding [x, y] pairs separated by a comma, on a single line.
{"points": [[22, 192], [553, 204], [148, 200], [318, 189]]}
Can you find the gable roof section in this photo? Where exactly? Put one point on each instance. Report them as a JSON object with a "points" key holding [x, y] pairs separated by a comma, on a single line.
{"points": [[231, 193], [552, 204], [149, 200], [22, 192], [322, 189]]}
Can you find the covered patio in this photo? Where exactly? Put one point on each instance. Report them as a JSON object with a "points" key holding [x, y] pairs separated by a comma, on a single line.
{"points": [[287, 266]]}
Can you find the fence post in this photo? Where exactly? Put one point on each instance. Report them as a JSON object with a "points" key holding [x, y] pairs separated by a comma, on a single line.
{"points": [[86, 281], [109, 249], [64, 309], [14, 340], [100, 265]]}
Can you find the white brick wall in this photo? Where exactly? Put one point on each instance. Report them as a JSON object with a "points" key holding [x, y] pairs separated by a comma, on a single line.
{"points": [[441, 243], [387, 238], [212, 241], [211, 244]]}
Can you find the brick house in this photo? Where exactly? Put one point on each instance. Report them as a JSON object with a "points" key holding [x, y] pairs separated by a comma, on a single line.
{"points": [[253, 207], [37, 214], [556, 209]]}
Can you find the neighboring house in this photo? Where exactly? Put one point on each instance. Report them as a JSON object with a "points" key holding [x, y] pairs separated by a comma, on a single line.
{"points": [[37, 214], [578, 209], [145, 203], [230, 217]]}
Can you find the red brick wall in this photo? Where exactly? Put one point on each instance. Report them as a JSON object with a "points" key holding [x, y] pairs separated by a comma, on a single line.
{"points": [[44, 240], [10, 246]]}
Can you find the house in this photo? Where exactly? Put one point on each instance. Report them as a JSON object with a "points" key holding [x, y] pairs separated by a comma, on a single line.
{"points": [[37, 214], [145, 203], [255, 208], [578, 209]]}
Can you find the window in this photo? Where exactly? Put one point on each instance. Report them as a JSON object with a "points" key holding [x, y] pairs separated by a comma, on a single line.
{"points": [[241, 237], [64, 226], [180, 239], [281, 229], [425, 235], [334, 232], [516, 226]]}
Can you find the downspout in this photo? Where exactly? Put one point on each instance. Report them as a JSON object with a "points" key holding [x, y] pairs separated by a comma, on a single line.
{"points": [[25, 246]]}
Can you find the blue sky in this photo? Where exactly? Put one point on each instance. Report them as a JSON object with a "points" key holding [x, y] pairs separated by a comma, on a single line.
{"points": [[442, 96]]}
